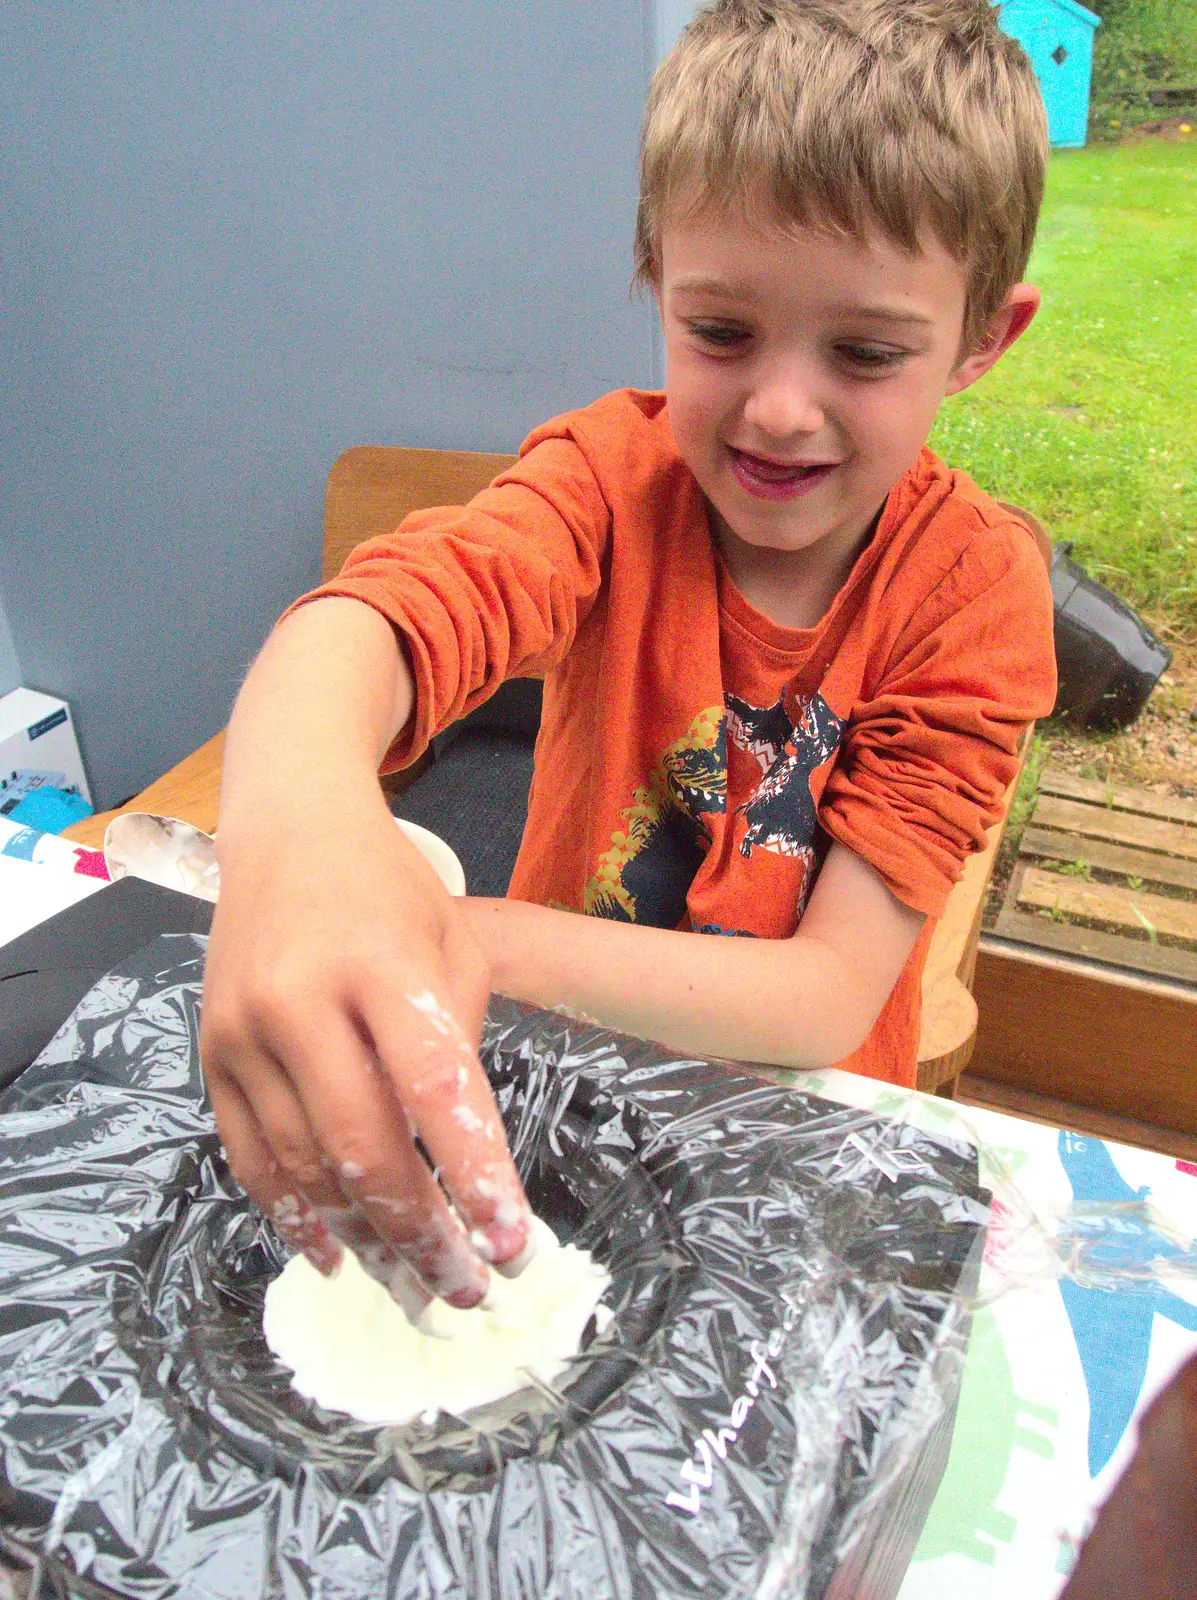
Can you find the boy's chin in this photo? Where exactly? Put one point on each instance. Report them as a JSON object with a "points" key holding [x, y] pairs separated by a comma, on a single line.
{"points": [[775, 540], [791, 536]]}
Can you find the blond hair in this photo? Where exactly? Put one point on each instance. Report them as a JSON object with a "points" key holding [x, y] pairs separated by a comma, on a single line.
{"points": [[903, 115]]}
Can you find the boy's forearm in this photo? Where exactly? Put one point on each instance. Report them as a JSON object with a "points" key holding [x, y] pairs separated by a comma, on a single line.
{"points": [[329, 692], [788, 1002]]}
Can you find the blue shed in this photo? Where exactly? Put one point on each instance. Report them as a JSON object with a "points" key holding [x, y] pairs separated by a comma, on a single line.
{"points": [[1058, 37]]}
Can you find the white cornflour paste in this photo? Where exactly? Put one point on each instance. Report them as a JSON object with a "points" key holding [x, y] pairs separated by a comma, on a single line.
{"points": [[352, 1349]]}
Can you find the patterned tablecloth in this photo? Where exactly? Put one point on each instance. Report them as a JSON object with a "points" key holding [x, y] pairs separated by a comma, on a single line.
{"points": [[1088, 1305]]}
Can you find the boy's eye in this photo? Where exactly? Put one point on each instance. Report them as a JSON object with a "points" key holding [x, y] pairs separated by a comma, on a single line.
{"points": [[872, 357], [721, 335]]}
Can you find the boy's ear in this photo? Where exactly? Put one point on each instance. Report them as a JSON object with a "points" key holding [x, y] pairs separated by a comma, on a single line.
{"points": [[1012, 320]]}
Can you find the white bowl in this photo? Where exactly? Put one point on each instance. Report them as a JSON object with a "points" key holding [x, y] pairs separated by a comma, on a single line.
{"points": [[164, 850], [438, 854]]}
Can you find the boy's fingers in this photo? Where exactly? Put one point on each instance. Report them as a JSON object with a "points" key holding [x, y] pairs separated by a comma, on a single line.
{"points": [[469, 980], [446, 1094], [399, 1238], [363, 1129], [283, 1124], [264, 1096], [352, 1227], [267, 1183]]}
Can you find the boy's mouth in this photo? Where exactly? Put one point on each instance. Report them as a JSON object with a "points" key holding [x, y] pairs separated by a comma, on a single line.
{"points": [[777, 480]]}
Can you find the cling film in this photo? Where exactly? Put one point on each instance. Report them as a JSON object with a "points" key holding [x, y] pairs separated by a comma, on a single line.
{"points": [[766, 1411]]}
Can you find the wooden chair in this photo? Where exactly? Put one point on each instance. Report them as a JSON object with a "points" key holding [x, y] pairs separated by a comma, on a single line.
{"points": [[371, 488]]}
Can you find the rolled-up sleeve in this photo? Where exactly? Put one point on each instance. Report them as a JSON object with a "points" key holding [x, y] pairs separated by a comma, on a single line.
{"points": [[930, 753]]}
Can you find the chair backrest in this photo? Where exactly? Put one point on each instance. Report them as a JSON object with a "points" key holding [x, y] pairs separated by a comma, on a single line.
{"points": [[371, 488], [1042, 537]]}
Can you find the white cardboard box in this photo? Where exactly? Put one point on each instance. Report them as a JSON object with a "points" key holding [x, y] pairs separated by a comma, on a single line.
{"points": [[37, 747]]}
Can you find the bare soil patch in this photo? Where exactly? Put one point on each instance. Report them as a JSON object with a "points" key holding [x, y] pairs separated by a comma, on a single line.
{"points": [[1157, 752]]}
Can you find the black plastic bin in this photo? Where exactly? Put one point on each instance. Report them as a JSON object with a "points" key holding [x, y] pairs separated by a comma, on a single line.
{"points": [[1108, 659]]}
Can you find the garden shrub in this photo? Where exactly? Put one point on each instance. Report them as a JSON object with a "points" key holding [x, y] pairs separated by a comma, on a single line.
{"points": [[1140, 44]]}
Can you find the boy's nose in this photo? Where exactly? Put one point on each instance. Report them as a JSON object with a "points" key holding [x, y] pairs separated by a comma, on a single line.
{"points": [[784, 406]]}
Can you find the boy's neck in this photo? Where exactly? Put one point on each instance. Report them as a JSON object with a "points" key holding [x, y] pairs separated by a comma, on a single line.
{"points": [[793, 588]]}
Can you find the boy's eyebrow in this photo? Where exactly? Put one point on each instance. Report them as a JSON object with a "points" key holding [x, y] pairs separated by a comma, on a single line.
{"points": [[890, 314], [709, 282], [706, 283]]}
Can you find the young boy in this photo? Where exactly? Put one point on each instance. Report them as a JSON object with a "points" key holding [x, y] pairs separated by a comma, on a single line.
{"points": [[788, 655]]}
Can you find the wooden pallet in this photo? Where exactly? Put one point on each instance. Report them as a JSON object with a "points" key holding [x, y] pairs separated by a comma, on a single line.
{"points": [[1107, 873]]}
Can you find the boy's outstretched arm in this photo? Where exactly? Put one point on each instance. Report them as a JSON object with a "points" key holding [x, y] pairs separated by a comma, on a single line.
{"points": [[807, 1001], [344, 992]]}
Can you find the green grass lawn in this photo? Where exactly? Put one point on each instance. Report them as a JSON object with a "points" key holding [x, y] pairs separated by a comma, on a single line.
{"points": [[1090, 421]]}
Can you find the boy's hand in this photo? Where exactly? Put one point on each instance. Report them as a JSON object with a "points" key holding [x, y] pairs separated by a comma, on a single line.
{"points": [[344, 992], [344, 997]]}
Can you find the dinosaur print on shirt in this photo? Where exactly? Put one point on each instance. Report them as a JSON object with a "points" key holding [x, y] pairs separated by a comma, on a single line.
{"points": [[781, 813], [651, 863], [646, 874]]}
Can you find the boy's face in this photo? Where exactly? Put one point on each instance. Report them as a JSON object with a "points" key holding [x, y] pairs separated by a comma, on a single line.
{"points": [[804, 373]]}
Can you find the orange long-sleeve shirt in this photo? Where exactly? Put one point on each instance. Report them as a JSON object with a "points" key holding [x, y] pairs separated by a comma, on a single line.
{"points": [[694, 757]]}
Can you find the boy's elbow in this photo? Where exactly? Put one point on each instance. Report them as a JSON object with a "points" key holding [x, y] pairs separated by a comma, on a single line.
{"points": [[849, 1005], [811, 1045], [851, 1034], [840, 1039]]}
